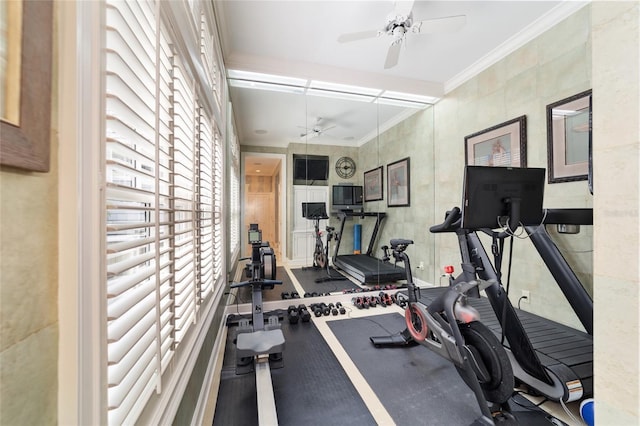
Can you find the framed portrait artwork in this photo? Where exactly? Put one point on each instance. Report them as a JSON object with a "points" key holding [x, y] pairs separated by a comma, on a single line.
{"points": [[503, 145], [568, 138], [398, 183], [25, 107], [373, 185]]}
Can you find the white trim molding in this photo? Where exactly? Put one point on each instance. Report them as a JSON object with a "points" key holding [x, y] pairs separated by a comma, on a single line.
{"points": [[530, 32]]}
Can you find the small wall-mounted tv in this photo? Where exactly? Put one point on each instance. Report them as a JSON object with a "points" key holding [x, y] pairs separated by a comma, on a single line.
{"points": [[310, 168], [346, 197]]}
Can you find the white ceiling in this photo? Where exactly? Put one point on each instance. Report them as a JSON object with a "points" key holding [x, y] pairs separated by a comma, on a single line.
{"points": [[299, 39]]}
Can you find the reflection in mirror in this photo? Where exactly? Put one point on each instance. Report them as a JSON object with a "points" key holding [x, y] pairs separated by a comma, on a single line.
{"points": [[355, 127]]}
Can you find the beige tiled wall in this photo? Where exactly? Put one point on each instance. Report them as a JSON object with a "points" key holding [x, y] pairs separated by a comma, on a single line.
{"points": [[29, 289], [616, 126], [555, 65], [28, 296]]}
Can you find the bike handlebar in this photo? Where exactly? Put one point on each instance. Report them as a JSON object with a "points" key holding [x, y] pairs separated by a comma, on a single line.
{"points": [[451, 222]]}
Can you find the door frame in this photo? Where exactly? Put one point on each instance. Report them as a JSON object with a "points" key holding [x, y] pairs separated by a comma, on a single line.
{"points": [[282, 194]]}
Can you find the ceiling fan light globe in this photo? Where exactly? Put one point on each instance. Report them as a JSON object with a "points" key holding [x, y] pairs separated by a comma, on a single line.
{"points": [[398, 32]]}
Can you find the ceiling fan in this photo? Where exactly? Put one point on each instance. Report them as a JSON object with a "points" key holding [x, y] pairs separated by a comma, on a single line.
{"points": [[400, 22], [315, 131]]}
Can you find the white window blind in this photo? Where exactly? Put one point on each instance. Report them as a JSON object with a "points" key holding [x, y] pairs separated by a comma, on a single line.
{"points": [[205, 207], [163, 197], [218, 186], [234, 192], [133, 252], [184, 197]]}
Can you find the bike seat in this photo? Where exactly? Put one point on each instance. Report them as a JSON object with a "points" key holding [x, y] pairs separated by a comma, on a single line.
{"points": [[399, 242]]}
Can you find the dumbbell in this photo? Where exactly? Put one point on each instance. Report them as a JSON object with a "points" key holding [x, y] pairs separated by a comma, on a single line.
{"points": [[285, 295], [340, 308], [295, 295], [380, 302], [360, 303], [326, 310], [292, 314], [399, 301], [317, 310], [385, 298], [303, 313]]}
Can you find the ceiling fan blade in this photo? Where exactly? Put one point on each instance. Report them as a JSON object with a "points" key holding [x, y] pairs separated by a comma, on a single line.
{"points": [[392, 56], [441, 25], [403, 7], [361, 35], [327, 128]]}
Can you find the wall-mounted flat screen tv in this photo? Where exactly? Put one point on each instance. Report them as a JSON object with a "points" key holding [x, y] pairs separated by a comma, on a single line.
{"points": [[309, 168], [346, 197]]}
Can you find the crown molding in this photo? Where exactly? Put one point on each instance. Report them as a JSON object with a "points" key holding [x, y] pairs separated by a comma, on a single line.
{"points": [[530, 32]]}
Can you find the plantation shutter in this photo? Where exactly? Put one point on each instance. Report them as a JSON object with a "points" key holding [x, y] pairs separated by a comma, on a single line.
{"points": [[184, 197], [205, 207], [164, 149], [218, 208], [234, 194], [164, 183], [137, 259]]}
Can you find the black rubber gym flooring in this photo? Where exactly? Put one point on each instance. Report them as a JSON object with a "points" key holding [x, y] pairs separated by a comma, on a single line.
{"points": [[311, 388], [307, 278], [415, 385]]}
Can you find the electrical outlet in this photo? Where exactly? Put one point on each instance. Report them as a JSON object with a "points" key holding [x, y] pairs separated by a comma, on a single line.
{"points": [[526, 296], [421, 265]]}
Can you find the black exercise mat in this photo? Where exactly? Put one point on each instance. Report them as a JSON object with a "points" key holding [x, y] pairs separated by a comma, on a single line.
{"points": [[307, 278], [415, 385], [311, 389], [244, 293]]}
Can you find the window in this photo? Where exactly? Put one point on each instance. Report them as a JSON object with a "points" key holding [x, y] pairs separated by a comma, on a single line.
{"points": [[163, 196], [234, 194]]}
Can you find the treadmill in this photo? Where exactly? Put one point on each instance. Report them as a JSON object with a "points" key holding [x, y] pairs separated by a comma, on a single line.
{"points": [[365, 267]]}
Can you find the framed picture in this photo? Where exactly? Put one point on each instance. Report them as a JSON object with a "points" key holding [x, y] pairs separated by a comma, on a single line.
{"points": [[373, 185], [503, 145], [568, 135], [398, 183], [25, 110]]}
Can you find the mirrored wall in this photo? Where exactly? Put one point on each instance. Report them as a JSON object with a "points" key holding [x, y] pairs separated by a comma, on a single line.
{"points": [[391, 141]]}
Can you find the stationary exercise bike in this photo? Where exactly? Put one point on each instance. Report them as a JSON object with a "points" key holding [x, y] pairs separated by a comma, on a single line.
{"points": [[317, 212], [330, 233], [319, 254], [450, 328]]}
